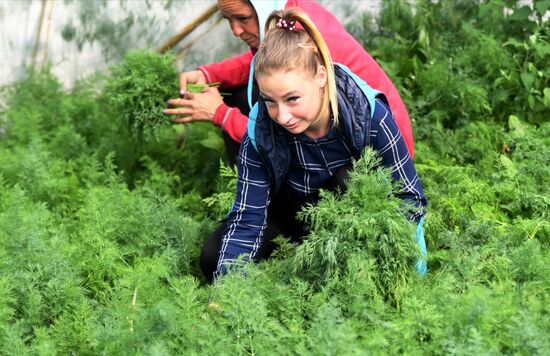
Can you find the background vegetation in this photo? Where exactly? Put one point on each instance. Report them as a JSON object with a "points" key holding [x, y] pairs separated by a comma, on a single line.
{"points": [[101, 228]]}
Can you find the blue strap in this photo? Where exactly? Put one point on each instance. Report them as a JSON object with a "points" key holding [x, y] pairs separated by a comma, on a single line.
{"points": [[369, 92], [251, 125], [422, 263], [250, 78]]}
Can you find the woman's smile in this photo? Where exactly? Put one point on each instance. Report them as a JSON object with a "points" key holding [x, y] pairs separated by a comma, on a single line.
{"points": [[291, 126]]}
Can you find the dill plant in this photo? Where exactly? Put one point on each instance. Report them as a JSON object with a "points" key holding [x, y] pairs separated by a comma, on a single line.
{"points": [[91, 264], [220, 202], [367, 217], [140, 86]]}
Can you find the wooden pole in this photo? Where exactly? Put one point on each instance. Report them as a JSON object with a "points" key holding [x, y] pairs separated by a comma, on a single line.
{"points": [[47, 36], [38, 30], [188, 29], [183, 51]]}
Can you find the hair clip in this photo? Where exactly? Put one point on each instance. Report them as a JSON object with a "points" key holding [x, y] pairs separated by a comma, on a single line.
{"points": [[287, 25], [262, 44]]}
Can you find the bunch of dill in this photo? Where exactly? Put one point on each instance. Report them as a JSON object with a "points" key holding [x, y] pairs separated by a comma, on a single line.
{"points": [[139, 88]]}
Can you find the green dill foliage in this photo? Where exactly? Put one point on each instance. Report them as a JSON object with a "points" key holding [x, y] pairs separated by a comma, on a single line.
{"points": [[464, 61], [523, 187], [366, 218], [44, 285], [101, 234], [140, 86], [220, 203]]}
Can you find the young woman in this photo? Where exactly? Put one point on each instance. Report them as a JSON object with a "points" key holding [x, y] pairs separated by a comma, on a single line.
{"points": [[311, 121], [233, 74]]}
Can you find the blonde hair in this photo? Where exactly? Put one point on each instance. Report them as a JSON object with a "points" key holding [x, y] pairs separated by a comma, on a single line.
{"points": [[297, 49]]}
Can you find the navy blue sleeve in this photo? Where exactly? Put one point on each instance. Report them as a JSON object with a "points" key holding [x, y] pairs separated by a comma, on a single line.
{"points": [[390, 144], [248, 216]]}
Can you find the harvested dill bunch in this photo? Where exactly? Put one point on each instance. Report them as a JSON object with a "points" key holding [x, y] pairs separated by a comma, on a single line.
{"points": [[140, 86], [197, 88]]}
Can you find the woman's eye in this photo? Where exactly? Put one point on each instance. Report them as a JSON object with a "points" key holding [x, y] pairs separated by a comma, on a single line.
{"points": [[293, 99]]}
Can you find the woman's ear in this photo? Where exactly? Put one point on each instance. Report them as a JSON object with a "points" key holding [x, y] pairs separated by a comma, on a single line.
{"points": [[321, 76]]}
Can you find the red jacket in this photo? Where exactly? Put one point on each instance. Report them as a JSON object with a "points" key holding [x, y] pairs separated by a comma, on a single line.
{"points": [[343, 48]]}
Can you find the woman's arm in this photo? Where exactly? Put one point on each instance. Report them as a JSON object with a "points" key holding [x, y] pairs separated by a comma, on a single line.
{"points": [[231, 72], [248, 216], [232, 121], [390, 145]]}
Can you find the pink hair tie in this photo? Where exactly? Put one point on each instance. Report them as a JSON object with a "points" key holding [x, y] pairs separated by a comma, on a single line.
{"points": [[287, 25]]}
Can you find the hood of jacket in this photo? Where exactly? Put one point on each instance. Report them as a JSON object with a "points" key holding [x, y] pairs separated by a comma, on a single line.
{"points": [[263, 9]]}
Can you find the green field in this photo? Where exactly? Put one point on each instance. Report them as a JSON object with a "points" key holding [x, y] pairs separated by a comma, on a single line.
{"points": [[104, 206]]}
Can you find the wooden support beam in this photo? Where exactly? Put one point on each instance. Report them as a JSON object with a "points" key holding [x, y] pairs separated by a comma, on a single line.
{"points": [[174, 40], [38, 31], [182, 51]]}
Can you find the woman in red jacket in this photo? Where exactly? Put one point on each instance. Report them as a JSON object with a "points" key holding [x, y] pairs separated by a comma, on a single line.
{"points": [[246, 19]]}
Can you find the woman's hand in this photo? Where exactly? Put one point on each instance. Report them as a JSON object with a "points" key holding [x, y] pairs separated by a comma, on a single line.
{"points": [[193, 77], [196, 106]]}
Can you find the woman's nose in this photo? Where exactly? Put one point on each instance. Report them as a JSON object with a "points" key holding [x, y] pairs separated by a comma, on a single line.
{"points": [[284, 116], [236, 28]]}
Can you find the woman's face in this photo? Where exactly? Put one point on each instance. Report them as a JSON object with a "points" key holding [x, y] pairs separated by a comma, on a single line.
{"points": [[293, 100], [242, 20]]}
